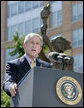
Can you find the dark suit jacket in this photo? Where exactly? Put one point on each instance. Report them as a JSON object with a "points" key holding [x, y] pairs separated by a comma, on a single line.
{"points": [[16, 69]]}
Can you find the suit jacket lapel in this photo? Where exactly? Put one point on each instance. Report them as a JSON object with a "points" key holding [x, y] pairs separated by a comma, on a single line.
{"points": [[38, 62], [24, 64]]}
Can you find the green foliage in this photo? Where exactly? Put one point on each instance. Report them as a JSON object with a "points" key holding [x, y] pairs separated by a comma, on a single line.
{"points": [[5, 99], [45, 48], [18, 46]]}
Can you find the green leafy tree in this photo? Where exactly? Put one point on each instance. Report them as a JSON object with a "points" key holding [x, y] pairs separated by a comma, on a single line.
{"points": [[5, 99], [18, 46]]}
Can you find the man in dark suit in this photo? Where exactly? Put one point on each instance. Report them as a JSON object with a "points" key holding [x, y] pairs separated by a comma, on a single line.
{"points": [[16, 69]]}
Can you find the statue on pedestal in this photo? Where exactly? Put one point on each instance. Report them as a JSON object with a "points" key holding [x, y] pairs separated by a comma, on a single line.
{"points": [[57, 46]]}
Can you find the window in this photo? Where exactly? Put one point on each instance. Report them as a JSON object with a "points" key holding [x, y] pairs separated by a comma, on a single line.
{"points": [[27, 5], [53, 20], [8, 36], [41, 3], [35, 4], [8, 11], [28, 27], [78, 63], [10, 32], [77, 37], [6, 56], [21, 29], [36, 24], [27, 18], [20, 7], [14, 9], [56, 13], [9, 57], [77, 11], [59, 18], [13, 31], [41, 22]]}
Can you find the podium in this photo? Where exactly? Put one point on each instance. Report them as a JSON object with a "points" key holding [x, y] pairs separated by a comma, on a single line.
{"points": [[38, 88]]}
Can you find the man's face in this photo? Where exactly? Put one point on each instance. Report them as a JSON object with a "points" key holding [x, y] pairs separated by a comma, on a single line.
{"points": [[33, 47]]}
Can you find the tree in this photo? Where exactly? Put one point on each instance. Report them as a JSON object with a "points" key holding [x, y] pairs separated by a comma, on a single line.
{"points": [[5, 99], [18, 46]]}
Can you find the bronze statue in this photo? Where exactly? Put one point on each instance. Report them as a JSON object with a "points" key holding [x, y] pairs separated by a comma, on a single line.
{"points": [[44, 14], [57, 46]]}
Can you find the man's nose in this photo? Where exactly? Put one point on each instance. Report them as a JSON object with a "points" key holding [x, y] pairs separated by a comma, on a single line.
{"points": [[34, 44]]}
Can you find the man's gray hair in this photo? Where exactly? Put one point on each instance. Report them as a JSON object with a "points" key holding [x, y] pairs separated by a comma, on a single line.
{"points": [[30, 35]]}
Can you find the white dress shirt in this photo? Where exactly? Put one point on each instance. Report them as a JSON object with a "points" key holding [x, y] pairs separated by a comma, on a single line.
{"points": [[29, 60]]}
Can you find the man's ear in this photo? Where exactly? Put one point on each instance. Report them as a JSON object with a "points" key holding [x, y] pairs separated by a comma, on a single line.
{"points": [[40, 49], [24, 45]]}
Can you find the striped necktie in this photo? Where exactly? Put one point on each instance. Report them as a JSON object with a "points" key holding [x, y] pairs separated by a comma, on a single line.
{"points": [[32, 64]]}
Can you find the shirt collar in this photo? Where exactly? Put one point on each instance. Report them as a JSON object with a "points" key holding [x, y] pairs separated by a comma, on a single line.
{"points": [[29, 60]]}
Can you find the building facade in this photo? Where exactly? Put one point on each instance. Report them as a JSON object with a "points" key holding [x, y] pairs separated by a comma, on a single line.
{"points": [[66, 19]]}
